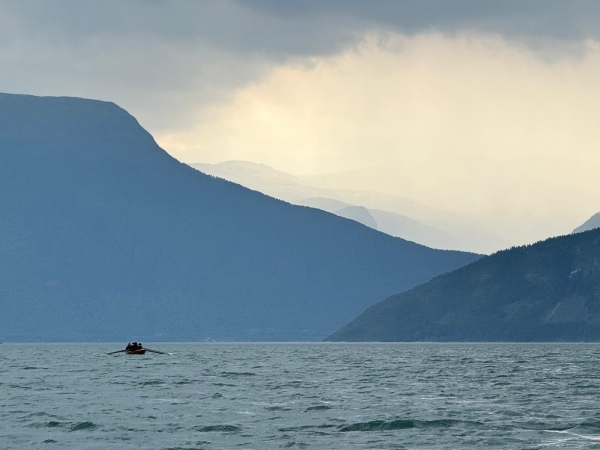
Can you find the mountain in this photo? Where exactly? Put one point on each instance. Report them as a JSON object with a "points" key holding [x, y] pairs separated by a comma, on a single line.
{"points": [[387, 222], [470, 229], [549, 291], [262, 178], [412, 230], [590, 224], [326, 204], [104, 236], [358, 213], [301, 191]]}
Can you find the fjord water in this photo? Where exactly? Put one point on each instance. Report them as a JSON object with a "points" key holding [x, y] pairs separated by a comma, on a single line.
{"points": [[334, 396]]}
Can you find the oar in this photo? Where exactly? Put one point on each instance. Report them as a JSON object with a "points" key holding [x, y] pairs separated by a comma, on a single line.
{"points": [[156, 351], [118, 351]]}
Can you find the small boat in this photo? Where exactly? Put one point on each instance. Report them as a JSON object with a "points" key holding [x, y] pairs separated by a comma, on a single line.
{"points": [[139, 351], [133, 348]]}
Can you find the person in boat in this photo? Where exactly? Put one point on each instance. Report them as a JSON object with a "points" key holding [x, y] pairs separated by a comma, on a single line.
{"points": [[140, 346], [131, 346]]}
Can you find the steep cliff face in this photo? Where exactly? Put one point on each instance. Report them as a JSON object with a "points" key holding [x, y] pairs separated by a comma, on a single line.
{"points": [[549, 291], [104, 236]]}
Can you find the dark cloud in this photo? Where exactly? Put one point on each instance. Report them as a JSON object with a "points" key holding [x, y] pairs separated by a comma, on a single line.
{"points": [[556, 19], [280, 28], [222, 24], [178, 54]]}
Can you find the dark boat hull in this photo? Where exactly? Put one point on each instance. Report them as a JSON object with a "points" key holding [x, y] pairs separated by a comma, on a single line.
{"points": [[135, 352]]}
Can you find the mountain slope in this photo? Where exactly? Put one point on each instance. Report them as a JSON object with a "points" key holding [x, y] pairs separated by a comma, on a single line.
{"points": [[590, 224], [300, 191], [358, 213], [326, 204], [468, 232], [411, 230], [548, 291], [259, 177], [104, 236], [390, 223]]}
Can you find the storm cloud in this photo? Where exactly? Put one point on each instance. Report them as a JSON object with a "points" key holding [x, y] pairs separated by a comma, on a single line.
{"points": [[471, 105], [157, 57]]}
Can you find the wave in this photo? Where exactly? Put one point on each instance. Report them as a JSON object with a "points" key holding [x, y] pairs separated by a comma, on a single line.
{"points": [[590, 426], [399, 424], [152, 383], [317, 408], [81, 426], [238, 374], [221, 428], [50, 424]]}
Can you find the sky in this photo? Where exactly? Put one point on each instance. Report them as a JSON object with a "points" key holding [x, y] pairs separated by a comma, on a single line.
{"points": [[483, 108]]}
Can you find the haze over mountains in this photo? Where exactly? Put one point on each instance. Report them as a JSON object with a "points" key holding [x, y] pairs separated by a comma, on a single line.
{"points": [[104, 236], [388, 222], [395, 216], [549, 291], [359, 214]]}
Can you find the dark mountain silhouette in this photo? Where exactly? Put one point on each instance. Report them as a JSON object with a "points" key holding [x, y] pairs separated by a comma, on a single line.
{"points": [[590, 224], [549, 291], [104, 236]]}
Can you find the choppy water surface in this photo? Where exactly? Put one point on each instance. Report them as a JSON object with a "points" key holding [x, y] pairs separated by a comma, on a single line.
{"points": [[322, 396]]}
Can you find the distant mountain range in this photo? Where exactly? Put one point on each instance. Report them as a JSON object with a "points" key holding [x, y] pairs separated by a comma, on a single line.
{"points": [[387, 222], [359, 214], [590, 224], [549, 291], [104, 236], [391, 215]]}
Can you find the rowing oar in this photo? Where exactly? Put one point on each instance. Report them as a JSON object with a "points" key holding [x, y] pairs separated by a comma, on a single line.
{"points": [[156, 351], [118, 351]]}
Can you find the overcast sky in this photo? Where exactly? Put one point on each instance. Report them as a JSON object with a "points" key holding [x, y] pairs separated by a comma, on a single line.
{"points": [[486, 108]]}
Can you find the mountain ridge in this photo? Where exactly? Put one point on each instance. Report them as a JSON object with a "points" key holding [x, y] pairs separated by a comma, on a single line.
{"points": [[590, 224], [546, 291], [105, 236], [298, 191]]}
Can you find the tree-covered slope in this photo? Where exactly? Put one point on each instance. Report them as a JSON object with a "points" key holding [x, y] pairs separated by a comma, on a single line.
{"points": [[549, 291], [104, 236]]}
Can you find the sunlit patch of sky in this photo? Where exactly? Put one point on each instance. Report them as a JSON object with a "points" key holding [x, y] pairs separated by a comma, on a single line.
{"points": [[469, 105]]}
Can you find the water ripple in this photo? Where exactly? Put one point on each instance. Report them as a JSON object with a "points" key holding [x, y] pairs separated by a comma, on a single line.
{"points": [[334, 396]]}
